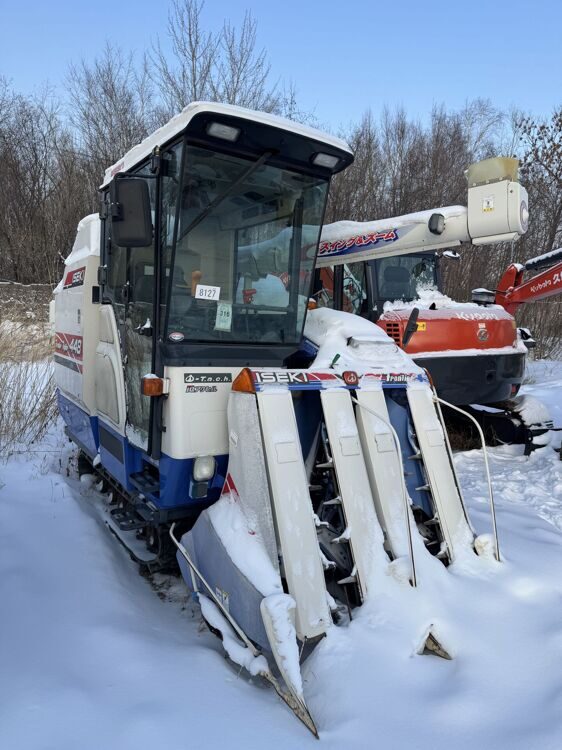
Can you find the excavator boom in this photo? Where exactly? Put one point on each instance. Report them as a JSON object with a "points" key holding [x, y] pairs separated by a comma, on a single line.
{"points": [[496, 211]]}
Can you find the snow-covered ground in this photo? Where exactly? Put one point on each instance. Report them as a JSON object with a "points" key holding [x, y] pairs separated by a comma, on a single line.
{"points": [[94, 656]]}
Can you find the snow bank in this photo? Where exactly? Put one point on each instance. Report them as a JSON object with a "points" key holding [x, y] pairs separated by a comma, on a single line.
{"points": [[93, 657]]}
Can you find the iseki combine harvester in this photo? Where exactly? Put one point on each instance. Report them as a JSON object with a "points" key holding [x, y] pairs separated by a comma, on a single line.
{"points": [[283, 456]]}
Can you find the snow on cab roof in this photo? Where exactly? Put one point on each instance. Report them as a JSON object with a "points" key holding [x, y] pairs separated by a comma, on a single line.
{"points": [[180, 121]]}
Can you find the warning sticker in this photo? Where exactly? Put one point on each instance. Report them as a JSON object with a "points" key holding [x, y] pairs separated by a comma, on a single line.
{"points": [[488, 204]]}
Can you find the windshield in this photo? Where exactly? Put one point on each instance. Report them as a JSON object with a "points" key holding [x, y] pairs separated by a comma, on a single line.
{"points": [[243, 251], [401, 278]]}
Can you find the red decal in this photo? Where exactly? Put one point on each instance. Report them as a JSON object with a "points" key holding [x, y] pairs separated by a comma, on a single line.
{"points": [[69, 345], [74, 278], [350, 378], [229, 486]]}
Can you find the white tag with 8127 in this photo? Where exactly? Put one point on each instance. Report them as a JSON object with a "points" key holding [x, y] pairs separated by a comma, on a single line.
{"points": [[210, 293]]}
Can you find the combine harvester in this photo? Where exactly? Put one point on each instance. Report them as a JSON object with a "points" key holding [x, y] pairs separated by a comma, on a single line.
{"points": [[388, 272], [281, 489]]}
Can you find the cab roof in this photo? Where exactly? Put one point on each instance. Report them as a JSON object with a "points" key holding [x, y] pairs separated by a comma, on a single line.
{"points": [[178, 123]]}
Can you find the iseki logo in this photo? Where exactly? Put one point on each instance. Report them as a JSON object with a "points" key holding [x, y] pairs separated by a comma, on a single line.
{"points": [[75, 278], [287, 378]]}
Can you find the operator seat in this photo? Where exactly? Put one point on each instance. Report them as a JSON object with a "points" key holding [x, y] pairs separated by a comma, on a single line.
{"points": [[144, 288], [396, 284]]}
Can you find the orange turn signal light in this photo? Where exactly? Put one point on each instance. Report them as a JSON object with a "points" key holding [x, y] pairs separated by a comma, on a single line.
{"points": [[312, 304], [153, 386], [244, 382]]}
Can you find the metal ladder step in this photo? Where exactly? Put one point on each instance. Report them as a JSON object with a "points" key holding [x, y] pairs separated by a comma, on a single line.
{"points": [[127, 520], [145, 482]]}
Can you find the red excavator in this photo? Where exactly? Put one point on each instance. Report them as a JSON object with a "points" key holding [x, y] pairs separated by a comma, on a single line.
{"points": [[388, 271], [512, 291]]}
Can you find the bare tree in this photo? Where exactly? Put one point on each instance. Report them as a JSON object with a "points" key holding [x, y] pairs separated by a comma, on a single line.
{"points": [[34, 217], [110, 107], [401, 166], [541, 141], [225, 65], [188, 77], [241, 71], [542, 165]]}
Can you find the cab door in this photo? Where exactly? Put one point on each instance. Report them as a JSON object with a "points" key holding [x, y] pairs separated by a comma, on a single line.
{"points": [[129, 288]]}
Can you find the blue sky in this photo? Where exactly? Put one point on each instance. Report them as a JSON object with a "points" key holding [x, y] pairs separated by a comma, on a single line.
{"points": [[344, 57]]}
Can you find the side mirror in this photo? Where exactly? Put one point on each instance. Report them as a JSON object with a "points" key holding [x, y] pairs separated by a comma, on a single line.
{"points": [[131, 220]]}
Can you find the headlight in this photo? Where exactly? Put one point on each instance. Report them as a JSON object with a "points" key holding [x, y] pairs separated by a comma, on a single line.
{"points": [[203, 468], [325, 160], [220, 130]]}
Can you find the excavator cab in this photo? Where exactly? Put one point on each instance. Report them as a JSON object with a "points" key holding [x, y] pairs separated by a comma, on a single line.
{"points": [[364, 287]]}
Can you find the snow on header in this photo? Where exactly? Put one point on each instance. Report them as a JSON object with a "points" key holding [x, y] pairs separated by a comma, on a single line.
{"points": [[358, 343]]}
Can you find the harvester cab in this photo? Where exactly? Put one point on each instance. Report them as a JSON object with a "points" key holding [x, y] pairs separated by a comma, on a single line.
{"points": [[286, 491], [164, 300]]}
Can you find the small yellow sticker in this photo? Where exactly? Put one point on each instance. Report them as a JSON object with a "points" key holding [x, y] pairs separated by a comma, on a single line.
{"points": [[422, 325]]}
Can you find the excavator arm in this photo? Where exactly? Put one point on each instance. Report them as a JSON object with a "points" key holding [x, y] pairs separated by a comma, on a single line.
{"points": [[512, 291]]}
